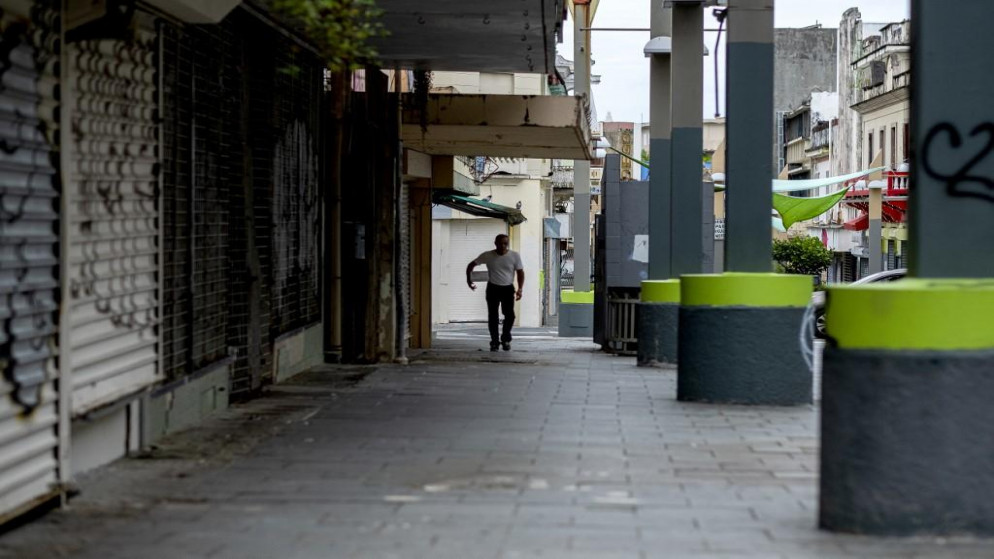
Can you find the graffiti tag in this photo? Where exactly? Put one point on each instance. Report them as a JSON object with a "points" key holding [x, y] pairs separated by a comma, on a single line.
{"points": [[963, 183]]}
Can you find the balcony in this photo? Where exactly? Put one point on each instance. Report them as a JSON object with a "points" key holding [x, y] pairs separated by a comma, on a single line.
{"points": [[871, 98]]}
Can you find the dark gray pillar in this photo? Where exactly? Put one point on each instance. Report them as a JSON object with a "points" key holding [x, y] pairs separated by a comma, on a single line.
{"points": [[707, 226], [581, 169], [952, 118], [659, 145], [749, 135], [687, 81]]}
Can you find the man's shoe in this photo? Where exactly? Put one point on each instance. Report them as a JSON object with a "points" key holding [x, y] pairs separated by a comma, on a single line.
{"points": [[494, 346], [506, 346]]}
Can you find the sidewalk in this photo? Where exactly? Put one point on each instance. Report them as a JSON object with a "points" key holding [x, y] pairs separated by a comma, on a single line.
{"points": [[550, 450]]}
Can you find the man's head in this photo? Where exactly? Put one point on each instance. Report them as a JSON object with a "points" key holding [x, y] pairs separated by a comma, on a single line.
{"points": [[503, 243]]}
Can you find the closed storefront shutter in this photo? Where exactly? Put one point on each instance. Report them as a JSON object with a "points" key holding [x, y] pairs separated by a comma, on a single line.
{"points": [[467, 239], [114, 220], [29, 258]]}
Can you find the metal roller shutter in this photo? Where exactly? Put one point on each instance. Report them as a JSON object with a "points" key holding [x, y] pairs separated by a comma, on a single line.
{"points": [[114, 220], [467, 239], [29, 259]]}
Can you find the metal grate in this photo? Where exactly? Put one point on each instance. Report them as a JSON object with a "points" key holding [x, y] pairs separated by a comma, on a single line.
{"points": [[622, 313], [242, 200]]}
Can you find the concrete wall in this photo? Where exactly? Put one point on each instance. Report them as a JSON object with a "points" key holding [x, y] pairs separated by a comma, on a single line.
{"points": [[298, 351], [186, 404], [105, 436], [804, 61]]}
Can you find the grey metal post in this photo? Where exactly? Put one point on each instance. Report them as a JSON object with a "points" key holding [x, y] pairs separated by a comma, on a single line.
{"points": [[749, 125], [874, 229], [687, 81], [659, 147], [951, 218], [581, 168]]}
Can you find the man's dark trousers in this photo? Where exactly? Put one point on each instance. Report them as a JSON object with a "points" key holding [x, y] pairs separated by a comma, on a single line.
{"points": [[502, 295]]}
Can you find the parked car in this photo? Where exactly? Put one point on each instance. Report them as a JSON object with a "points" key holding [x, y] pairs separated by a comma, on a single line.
{"points": [[818, 297]]}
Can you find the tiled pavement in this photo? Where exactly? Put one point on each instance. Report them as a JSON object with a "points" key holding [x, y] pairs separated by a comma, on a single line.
{"points": [[550, 450]]}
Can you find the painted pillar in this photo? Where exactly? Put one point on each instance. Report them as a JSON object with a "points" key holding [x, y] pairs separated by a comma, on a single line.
{"points": [[907, 421], [581, 168], [749, 136], [738, 331], [657, 322], [659, 147], [687, 79]]}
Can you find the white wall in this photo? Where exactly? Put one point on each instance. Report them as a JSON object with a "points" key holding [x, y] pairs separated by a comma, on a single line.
{"points": [[492, 83], [824, 105], [439, 259], [884, 118]]}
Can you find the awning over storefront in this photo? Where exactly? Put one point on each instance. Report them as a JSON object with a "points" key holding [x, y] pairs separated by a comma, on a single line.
{"points": [[481, 208], [533, 126], [860, 223]]}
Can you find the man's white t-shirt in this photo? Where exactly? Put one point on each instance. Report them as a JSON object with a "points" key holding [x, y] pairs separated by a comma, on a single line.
{"points": [[500, 268]]}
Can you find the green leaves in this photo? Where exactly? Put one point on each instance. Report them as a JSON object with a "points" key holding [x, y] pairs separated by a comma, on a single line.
{"points": [[802, 255], [340, 29]]}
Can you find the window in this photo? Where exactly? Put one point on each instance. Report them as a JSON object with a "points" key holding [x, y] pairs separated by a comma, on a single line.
{"points": [[893, 147], [907, 141], [883, 147], [869, 150]]}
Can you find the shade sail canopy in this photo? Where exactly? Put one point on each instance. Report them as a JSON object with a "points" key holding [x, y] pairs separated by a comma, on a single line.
{"points": [[780, 185], [534, 126], [480, 208], [793, 209]]}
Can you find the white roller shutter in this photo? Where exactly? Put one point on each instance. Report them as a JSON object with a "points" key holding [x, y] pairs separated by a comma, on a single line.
{"points": [[114, 212], [467, 239], [29, 259]]}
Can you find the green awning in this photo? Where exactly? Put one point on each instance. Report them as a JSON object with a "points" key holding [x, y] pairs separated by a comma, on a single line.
{"points": [[793, 209], [481, 208]]}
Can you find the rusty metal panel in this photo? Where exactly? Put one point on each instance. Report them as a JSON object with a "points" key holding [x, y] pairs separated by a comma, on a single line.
{"points": [[114, 220], [29, 258]]}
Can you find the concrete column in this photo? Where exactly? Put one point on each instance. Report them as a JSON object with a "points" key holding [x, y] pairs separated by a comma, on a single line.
{"points": [[581, 169], [737, 335], [659, 145], [875, 203], [687, 81], [909, 376], [749, 136]]}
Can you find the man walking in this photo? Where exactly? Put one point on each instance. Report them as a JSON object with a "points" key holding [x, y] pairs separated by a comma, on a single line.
{"points": [[502, 265]]}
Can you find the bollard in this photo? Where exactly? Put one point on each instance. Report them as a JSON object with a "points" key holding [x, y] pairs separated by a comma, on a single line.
{"points": [[907, 423], [659, 311], [738, 339]]}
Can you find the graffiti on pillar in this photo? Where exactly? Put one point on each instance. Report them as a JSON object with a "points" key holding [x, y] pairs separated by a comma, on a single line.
{"points": [[964, 182]]}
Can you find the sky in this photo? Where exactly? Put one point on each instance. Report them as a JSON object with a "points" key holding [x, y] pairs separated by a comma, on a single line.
{"points": [[624, 70]]}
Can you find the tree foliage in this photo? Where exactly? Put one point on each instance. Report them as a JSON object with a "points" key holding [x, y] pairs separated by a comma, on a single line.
{"points": [[340, 29], [802, 255]]}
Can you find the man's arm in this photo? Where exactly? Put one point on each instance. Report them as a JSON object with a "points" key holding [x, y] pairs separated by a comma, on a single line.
{"points": [[521, 284], [469, 275]]}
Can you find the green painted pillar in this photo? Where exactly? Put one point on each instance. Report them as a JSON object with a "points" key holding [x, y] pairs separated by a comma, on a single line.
{"points": [[687, 79], [907, 420]]}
